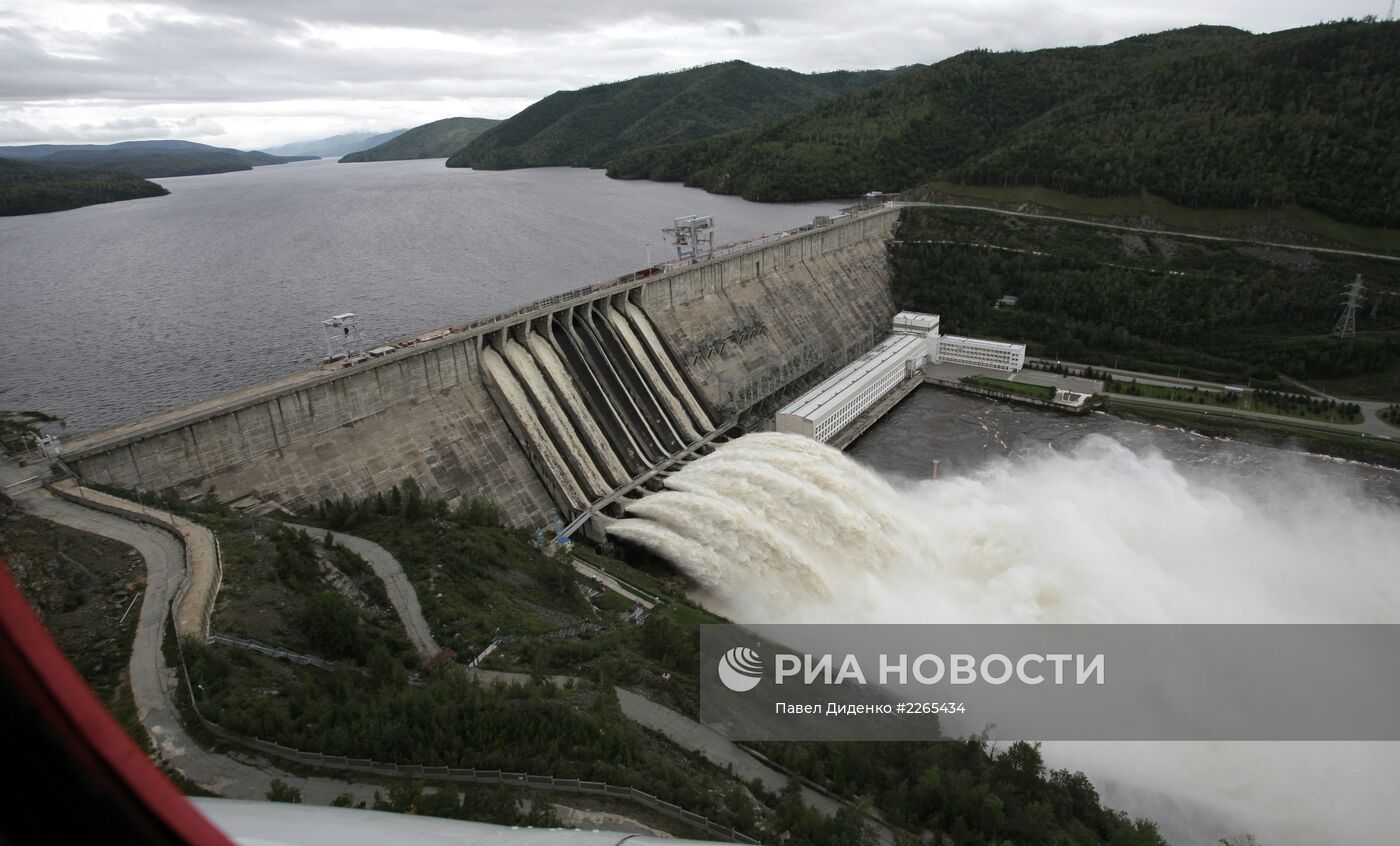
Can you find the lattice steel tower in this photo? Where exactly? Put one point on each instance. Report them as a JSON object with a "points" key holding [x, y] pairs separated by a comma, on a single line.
{"points": [[693, 236], [1346, 322]]}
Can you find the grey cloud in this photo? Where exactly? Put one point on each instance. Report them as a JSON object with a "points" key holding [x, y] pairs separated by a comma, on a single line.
{"points": [[485, 16], [234, 62], [210, 56]]}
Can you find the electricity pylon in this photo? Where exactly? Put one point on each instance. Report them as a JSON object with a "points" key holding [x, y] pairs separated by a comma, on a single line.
{"points": [[1346, 322]]}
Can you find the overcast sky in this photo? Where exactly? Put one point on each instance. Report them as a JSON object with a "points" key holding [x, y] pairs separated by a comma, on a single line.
{"points": [[254, 73]]}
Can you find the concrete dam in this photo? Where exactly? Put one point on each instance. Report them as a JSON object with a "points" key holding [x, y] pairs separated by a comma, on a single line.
{"points": [[558, 408]]}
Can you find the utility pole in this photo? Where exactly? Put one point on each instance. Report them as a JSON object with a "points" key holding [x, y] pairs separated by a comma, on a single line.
{"points": [[1346, 322]]}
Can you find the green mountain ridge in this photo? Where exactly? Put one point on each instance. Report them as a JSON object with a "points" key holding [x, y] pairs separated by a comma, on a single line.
{"points": [[435, 140], [1208, 117], [148, 159], [590, 126], [29, 188]]}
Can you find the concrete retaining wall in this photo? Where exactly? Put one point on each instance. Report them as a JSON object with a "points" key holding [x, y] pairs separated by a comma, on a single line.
{"points": [[743, 327]]}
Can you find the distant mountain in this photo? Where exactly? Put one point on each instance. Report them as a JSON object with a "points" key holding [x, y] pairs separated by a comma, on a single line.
{"points": [[35, 151], [336, 145], [435, 140], [591, 126], [147, 159], [29, 188], [1208, 117]]}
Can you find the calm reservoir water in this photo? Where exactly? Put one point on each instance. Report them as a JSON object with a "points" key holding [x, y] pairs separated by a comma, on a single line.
{"points": [[115, 311]]}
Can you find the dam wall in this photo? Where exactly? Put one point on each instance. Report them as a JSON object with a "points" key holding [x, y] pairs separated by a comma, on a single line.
{"points": [[481, 410], [748, 327]]}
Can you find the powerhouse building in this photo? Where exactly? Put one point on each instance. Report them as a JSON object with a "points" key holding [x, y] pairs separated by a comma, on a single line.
{"points": [[915, 343], [824, 410]]}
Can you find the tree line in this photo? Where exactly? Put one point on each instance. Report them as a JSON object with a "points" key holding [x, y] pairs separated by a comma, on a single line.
{"points": [[1207, 117], [1090, 296]]}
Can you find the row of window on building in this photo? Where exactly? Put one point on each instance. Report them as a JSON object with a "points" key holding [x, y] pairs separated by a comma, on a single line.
{"points": [[828, 408]]}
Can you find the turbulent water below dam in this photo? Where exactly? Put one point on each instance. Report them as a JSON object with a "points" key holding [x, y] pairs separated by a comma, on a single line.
{"points": [[1038, 517]]}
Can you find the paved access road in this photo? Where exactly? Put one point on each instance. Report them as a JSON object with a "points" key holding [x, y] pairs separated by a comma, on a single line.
{"points": [[401, 594], [153, 682], [603, 578], [1165, 232], [718, 749]]}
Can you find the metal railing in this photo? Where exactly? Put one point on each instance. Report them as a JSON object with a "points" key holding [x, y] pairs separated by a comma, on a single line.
{"points": [[270, 651]]}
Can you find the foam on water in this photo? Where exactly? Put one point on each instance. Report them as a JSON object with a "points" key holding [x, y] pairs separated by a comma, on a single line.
{"points": [[779, 528]]}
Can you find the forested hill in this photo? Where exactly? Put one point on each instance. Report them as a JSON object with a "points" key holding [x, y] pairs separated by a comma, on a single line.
{"points": [[591, 126], [435, 140], [147, 159], [27, 188], [1205, 117]]}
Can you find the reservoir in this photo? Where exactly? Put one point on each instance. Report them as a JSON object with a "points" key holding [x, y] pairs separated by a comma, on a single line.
{"points": [[115, 311]]}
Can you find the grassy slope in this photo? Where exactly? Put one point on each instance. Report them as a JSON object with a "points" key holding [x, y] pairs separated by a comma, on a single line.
{"points": [[438, 139]]}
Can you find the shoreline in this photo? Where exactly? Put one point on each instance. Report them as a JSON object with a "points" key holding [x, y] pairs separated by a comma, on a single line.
{"points": [[1339, 445]]}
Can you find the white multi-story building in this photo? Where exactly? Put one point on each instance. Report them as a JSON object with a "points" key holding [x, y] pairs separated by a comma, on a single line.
{"points": [[829, 407], [976, 352]]}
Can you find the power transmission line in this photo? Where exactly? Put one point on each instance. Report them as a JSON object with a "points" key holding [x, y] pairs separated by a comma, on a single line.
{"points": [[1346, 323]]}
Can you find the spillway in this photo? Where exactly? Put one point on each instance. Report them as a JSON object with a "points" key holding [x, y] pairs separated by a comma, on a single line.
{"points": [[668, 401], [534, 431], [627, 442], [595, 405], [601, 364], [556, 421], [768, 512], [635, 384], [563, 383], [663, 358]]}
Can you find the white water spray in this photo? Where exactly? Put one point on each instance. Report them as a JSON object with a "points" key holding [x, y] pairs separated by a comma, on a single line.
{"points": [[643, 324], [778, 528]]}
